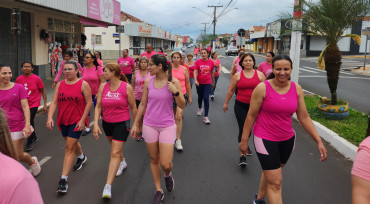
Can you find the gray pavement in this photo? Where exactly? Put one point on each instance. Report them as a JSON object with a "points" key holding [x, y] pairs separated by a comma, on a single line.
{"points": [[205, 172]]}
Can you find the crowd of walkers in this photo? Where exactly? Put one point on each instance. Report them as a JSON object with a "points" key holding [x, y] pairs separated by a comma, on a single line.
{"points": [[153, 93]]}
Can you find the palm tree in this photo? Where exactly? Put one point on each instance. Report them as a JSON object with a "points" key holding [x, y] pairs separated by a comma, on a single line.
{"points": [[330, 18]]}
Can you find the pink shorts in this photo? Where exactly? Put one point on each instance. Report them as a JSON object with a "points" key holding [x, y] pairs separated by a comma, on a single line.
{"points": [[162, 134], [361, 165]]}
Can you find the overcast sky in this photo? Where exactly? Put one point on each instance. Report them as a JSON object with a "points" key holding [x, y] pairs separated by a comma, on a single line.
{"points": [[179, 17]]}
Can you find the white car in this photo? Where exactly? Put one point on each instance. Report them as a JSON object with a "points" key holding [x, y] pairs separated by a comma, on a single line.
{"points": [[231, 50]]}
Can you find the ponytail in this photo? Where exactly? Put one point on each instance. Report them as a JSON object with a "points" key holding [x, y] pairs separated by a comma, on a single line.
{"points": [[169, 68], [123, 77]]}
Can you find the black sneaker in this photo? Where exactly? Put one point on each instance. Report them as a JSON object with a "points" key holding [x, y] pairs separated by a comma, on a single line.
{"points": [[170, 183], [63, 186], [249, 152], [158, 197], [35, 139], [78, 164], [29, 147], [260, 201], [84, 133], [243, 161]]}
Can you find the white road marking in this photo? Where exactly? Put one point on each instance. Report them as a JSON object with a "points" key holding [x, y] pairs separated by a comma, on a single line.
{"points": [[44, 160], [309, 92], [307, 70], [314, 69], [224, 70], [342, 77]]}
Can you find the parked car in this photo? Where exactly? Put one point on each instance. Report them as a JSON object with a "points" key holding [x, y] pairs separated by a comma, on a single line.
{"points": [[231, 50], [178, 49]]}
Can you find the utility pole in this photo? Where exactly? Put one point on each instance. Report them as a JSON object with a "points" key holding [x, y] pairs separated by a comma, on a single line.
{"points": [[295, 45], [205, 31], [214, 26]]}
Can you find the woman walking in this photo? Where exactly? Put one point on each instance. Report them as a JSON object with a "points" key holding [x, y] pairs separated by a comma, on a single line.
{"points": [[114, 98], [266, 67], [196, 50], [160, 51], [35, 88], [138, 83], [180, 73], [217, 70], [15, 105], [72, 97], [98, 58], [236, 66], [159, 128], [190, 62], [246, 81], [272, 105], [204, 80], [92, 73], [127, 64], [17, 184]]}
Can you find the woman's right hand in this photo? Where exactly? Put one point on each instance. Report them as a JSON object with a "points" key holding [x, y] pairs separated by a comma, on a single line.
{"points": [[226, 107], [96, 131], [50, 124], [134, 131], [196, 83], [53, 85], [243, 146]]}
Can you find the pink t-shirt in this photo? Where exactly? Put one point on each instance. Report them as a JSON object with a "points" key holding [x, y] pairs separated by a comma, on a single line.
{"points": [[60, 72], [191, 69], [361, 164], [204, 71], [148, 55], [17, 184], [100, 62], [179, 74], [11, 104], [115, 104], [127, 64], [217, 67], [265, 68], [238, 67], [32, 84], [139, 84], [91, 76], [162, 53]]}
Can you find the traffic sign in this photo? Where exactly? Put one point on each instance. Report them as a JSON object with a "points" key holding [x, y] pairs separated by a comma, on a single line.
{"points": [[93, 39], [116, 41], [116, 35], [241, 32]]}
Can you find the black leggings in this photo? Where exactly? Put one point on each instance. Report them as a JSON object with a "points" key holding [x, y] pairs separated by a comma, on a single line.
{"points": [[32, 137], [241, 111]]}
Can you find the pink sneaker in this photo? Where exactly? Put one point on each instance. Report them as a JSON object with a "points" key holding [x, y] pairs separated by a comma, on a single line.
{"points": [[35, 167], [206, 121], [200, 110]]}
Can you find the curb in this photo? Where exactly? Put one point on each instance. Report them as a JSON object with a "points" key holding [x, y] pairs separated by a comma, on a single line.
{"points": [[346, 148]]}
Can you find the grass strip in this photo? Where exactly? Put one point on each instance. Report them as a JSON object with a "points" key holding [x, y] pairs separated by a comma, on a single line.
{"points": [[352, 128]]}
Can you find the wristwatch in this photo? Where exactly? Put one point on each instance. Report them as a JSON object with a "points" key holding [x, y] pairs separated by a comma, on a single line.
{"points": [[176, 94]]}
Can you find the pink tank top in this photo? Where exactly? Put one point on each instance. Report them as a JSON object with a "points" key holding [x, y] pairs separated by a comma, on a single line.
{"points": [[246, 87], [159, 111], [238, 67], [115, 104], [274, 120], [139, 84], [71, 103], [179, 74]]}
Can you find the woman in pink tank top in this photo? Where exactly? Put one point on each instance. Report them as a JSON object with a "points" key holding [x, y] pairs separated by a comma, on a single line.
{"points": [[72, 97], [272, 105], [159, 128], [246, 81], [236, 68], [114, 98], [180, 73], [140, 75]]}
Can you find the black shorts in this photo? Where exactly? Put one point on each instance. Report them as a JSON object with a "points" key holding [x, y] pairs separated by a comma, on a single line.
{"points": [[118, 131], [69, 131], [186, 101], [137, 103], [272, 154]]}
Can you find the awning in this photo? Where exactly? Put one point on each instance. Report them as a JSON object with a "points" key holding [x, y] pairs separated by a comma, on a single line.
{"points": [[253, 40], [92, 22]]}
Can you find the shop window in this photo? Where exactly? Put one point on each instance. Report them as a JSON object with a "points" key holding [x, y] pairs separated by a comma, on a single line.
{"points": [[137, 41], [50, 24], [67, 26], [98, 39]]}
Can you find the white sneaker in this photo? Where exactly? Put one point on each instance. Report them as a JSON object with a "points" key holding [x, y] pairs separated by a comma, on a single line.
{"points": [[107, 192], [178, 145], [35, 167], [122, 166], [200, 110], [212, 97], [206, 120]]}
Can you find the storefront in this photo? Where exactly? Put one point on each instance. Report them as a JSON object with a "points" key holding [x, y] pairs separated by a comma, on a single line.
{"points": [[49, 28]]}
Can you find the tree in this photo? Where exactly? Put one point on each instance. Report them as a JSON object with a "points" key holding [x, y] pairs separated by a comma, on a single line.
{"points": [[330, 18]]}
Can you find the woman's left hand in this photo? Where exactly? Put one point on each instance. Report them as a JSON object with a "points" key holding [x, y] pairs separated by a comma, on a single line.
{"points": [[172, 87], [190, 101], [322, 150], [80, 125]]}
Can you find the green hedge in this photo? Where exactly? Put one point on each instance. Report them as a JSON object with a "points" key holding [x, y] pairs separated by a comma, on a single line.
{"points": [[352, 128]]}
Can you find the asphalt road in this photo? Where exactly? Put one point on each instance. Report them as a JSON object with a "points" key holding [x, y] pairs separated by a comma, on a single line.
{"points": [[205, 172], [353, 88]]}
